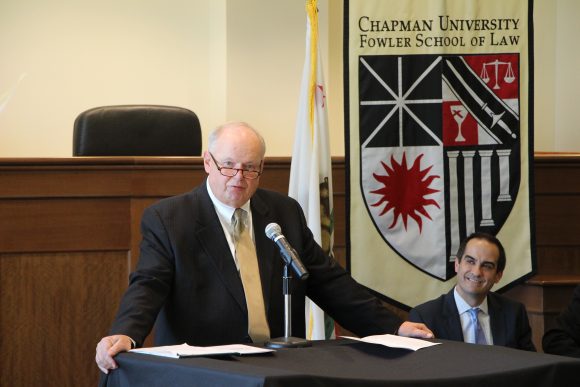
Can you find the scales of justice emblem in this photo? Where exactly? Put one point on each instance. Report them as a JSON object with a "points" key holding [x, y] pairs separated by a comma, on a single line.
{"points": [[439, 150]]}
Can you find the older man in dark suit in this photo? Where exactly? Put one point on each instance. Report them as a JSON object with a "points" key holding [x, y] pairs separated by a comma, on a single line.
{"points": [[191, 277], [470, 312]]}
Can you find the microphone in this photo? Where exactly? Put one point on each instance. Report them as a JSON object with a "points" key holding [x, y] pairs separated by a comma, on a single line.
{"points": [[274, 232]]}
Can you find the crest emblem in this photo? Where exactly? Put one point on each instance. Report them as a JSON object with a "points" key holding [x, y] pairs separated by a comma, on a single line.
{"points": [[440, 150]]}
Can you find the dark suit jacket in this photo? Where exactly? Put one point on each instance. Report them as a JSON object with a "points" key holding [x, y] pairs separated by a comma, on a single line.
{"points": [[508, 319], [186, 277], [564, 339]]}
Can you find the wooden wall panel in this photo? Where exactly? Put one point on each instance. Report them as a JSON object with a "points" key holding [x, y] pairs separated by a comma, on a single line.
{"points": [[24, 182], [559, 260], [64, 224], [555, 210], [167, 182], [55, 308]]}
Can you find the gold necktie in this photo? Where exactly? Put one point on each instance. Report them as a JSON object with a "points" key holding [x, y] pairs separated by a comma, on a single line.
{"points": [[250, 274]]}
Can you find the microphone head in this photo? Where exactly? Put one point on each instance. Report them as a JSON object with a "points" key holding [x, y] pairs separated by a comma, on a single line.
{"points": [[273, 230]]}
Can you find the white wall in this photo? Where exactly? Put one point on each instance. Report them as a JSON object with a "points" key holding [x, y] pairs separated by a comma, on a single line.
{"points": [[266, 43], [567, 75], [72, 55], [224, 59], [544, 65]]}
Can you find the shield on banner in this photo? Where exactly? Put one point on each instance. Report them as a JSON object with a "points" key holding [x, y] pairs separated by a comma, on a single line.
{"points": [[440, 150]]}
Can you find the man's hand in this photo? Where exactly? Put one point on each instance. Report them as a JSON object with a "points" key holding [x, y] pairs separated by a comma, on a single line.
{"points": [[411, 329], [109, 347]]}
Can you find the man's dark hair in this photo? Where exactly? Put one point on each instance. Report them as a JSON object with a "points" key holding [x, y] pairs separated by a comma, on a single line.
{"points": [[491, 239]]}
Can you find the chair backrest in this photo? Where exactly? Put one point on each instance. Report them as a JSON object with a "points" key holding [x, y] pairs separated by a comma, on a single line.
{"points": [[137, 130]]}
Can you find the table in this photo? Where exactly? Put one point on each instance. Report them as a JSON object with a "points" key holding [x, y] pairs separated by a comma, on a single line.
{"points": [[349, 363]]}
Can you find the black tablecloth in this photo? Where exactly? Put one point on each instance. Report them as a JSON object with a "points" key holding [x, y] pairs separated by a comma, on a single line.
{"points": [[350, 363]]}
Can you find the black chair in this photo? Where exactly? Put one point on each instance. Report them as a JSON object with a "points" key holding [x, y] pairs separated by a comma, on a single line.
{"points": [[137, 130]]}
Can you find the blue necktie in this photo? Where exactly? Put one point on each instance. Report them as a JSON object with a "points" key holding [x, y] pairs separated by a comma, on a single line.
{"points": [[478, 334]]}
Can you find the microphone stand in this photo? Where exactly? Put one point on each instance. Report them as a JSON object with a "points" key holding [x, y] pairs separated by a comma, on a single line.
{"points": [[287, 341]]}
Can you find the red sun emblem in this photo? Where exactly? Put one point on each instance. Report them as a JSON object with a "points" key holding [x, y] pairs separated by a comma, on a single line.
{"points": [[404, 190]]}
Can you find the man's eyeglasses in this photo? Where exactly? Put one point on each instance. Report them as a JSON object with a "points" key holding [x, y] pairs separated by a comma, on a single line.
{"points": [[250, 174]]}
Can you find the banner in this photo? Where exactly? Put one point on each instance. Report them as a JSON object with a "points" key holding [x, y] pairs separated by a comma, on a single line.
{"points": [[311, 168], [439, 139]]}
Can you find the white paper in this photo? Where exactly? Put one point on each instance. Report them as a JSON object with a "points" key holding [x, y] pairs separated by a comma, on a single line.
{"points": [[185, 350], [394, 341]]}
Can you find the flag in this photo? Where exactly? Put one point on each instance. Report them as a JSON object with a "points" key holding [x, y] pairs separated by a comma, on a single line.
{"points": [[439, 132], [311, 169]]}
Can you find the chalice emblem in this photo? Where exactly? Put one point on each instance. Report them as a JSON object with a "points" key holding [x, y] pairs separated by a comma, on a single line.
{"points": [[458, 112]]}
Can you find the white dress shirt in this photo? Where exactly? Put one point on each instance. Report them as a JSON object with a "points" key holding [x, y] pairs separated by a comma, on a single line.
{"points": [[463, 308], [225, 214]]}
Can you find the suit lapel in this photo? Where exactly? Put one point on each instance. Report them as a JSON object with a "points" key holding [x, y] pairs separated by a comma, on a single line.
{"points": [[495, 320], [265, 248], [210, 236], [451, 316]]}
